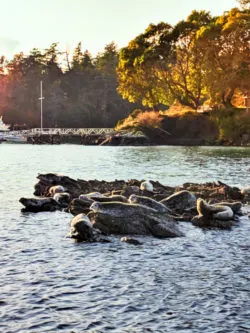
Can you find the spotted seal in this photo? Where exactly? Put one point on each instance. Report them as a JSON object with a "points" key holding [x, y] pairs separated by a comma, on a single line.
{"points": [[85, 198], [180, 200], [91, 196], [120, 209], [112, 198], [81, 228], [56, 189], [235, 206], [130, 240], [147, 186], [217, 211], [39, 204], [148, 202], [63, 198]]}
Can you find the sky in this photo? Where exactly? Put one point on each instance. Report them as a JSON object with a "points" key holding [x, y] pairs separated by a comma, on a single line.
{"points": [[26, 24]]}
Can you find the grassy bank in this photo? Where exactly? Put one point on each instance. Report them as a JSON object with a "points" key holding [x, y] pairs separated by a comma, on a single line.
{"points": [[184, 126]]}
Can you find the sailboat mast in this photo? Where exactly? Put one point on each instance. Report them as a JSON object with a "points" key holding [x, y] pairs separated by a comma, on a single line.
{"points": [[41, 99], [41, 105]]}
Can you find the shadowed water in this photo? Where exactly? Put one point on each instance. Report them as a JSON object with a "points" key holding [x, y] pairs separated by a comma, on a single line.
{"points": [[198, 283]]}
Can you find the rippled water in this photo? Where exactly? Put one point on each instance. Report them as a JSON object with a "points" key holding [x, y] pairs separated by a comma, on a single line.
{"points": [[199, 283]]}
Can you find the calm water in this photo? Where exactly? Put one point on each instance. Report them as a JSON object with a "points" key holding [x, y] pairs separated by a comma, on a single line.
{"points": [[199, 283]]}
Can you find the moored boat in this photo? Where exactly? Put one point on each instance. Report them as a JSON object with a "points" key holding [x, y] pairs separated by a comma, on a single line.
{"points": [[10, 136]]}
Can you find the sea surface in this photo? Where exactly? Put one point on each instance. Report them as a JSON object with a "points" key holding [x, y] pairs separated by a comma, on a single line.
{"points": [[48, 283]]}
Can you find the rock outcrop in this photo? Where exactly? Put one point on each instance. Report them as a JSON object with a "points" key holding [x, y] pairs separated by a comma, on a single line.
{"points": [[135, 207]]}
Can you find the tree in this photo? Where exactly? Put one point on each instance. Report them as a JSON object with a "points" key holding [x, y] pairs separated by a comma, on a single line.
{"points": [[226, 55], [245, 4], [140, 66], [165, 64], [77, 58]]}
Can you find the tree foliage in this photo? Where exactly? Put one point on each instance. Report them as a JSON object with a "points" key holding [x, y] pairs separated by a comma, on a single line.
{"points": [[201, 58], [226, 55], [82, 95]]}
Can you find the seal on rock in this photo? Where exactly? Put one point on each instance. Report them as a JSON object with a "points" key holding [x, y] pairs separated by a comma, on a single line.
{"points": [[148, 202], [246, 190], [130, 240], [94, 195], [180, 200], [128, 190], [112, 198], [119, 209], [78, 206], [56, 189], [215, 211], [36, 205], [81, 228], [62, 198], [235, 206], [147, 186], [86, 198]]}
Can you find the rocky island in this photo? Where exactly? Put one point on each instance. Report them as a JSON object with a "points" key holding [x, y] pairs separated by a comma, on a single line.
{"points": [[130, 208]]}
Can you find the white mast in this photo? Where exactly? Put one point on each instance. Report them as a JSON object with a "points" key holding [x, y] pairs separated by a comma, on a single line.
{"points": [[41, 99]]}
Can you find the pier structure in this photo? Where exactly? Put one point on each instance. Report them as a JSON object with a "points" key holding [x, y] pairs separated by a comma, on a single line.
{"points": [[71, 131], [78, 135]]}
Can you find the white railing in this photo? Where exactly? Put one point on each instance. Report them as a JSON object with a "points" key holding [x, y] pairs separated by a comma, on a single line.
{"points": [[74, 131], [71, 131]]}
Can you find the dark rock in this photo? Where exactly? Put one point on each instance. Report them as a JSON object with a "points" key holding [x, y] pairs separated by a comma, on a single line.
{"points": [[214, 190], [126, 219], [46, 181], [201, 222], [125, 140]]}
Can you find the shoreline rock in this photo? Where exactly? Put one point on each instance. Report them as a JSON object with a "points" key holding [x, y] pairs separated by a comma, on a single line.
{"points": [[127, 208]]}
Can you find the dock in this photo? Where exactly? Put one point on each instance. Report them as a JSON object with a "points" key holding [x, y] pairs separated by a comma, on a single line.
{"points": [[84, 136]]}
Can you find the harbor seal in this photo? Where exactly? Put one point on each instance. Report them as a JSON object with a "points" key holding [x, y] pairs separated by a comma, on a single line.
{"points": [[112, 198], [62, 198], [147, 186], [78, 206], [81, 228], [85, 198], [94, 195], [235, 206], [36, 205], [217, 211], [148, 202], [180, 200], [130, 240], [56, 189], [246, 191], [120, 209]]}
